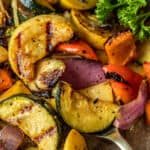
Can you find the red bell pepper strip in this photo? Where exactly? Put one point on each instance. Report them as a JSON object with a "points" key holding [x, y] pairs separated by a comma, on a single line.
{"points": [[78, 47], [126, 92]]}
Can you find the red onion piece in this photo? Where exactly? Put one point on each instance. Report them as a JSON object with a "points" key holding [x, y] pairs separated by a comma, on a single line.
{"points": [[82, 73], [131, 111], [11, 138]]}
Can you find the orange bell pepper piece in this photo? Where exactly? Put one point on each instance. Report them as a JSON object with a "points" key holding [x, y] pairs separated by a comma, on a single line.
{"points": [[147, 112], [5, 80], [121, 49], [78, 47]]}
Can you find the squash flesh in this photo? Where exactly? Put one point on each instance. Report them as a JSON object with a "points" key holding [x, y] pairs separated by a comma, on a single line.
{"points": [[29, 44], [17, 88], [97, 92], [75, 141], [78, 4], [95, 35]]}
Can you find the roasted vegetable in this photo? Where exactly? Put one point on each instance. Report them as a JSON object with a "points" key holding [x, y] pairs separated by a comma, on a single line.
{"points": [[123, 93], [3, 14], [131, 111], [31, 148], [75, 141], [17, 88], [28, 45], [47, 3], [147, 112], [78, 4], [35, 7], [11, 137], [48, 72], [81, 73], [5, 80], [3, 54], [121, 49], [102, 56], [33, 119], [128, 16], [87, 27], [130, 78], [81, 113], [136, 67], [102, 91], [144, 52], [52, 102], [78, 47], [146, 67], [125, 83]]}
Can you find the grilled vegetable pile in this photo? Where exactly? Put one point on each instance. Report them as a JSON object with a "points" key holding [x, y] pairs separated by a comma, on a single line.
{"points": [[71, 67]]}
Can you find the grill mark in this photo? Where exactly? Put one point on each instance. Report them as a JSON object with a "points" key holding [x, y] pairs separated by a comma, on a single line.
{"points": [[51, 78], [49, 132], [19, 40], [26, 109], [19, 53], [116, 77], [49, 32], [22, 111], [19, 57]]}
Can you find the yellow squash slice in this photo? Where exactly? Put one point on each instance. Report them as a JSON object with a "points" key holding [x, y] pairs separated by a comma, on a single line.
{"points": [[35, 39], [78, 4], [3, 54], [17, 88], [75, 141], [89, 29]]}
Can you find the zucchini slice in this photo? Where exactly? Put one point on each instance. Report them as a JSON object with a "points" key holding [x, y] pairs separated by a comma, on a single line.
{"points": [[35, 7], [33, 119], [82, 113]]}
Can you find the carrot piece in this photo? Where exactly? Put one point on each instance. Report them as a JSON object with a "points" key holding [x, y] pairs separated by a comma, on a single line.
{"points": [[121, 49], [79, 47], [146, 67], [5, 80], [123, 92], [147, 112]]}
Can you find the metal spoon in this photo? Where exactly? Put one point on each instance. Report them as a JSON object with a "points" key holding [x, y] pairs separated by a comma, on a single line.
{"points": [[114, 135]]}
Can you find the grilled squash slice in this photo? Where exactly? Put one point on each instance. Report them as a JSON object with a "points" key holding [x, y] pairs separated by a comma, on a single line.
{"points": [[78, 4], [17, 88], [144, 52], [89, 29], [3, 54], [35, 39], [75, 141], [82, 113], [33, 119], [48, 72], [97, 92]]}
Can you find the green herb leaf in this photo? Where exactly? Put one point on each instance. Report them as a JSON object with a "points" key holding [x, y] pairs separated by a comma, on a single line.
{"points": [[129, 15]]}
